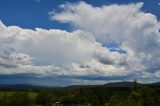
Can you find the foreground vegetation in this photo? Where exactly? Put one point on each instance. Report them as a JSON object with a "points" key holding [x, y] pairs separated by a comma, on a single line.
{"points": [[82, 96]]}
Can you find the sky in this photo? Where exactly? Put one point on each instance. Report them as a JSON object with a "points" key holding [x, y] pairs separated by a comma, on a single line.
{"points": [[62, 43]]}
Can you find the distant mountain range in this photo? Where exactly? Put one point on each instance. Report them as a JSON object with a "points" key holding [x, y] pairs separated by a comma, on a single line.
{"points": [[20, 86], [114, 84], [121, 84], [130, 84]]}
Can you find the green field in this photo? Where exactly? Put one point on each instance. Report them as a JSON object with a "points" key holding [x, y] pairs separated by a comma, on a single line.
{"points": [[32, 95]]}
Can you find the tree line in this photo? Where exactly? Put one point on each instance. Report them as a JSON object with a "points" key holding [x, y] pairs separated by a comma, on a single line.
{"points": [[85, 96]]}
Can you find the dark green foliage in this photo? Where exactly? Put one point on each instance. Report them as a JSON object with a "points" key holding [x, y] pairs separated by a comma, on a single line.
{"points": [[148, 97], [95, 101], [85, 96], [141, 97], [44, 98], [17, 99]]}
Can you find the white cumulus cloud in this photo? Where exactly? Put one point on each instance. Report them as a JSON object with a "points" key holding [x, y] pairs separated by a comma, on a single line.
{"points": [[85, 51], [53, 52], [135, 31]]}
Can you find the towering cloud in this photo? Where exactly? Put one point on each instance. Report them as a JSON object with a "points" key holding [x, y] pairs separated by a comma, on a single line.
{"points": [[133, 30]]}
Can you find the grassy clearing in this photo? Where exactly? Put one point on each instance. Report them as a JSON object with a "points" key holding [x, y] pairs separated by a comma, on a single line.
{"points": [[32, 95], [2, 93]]}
